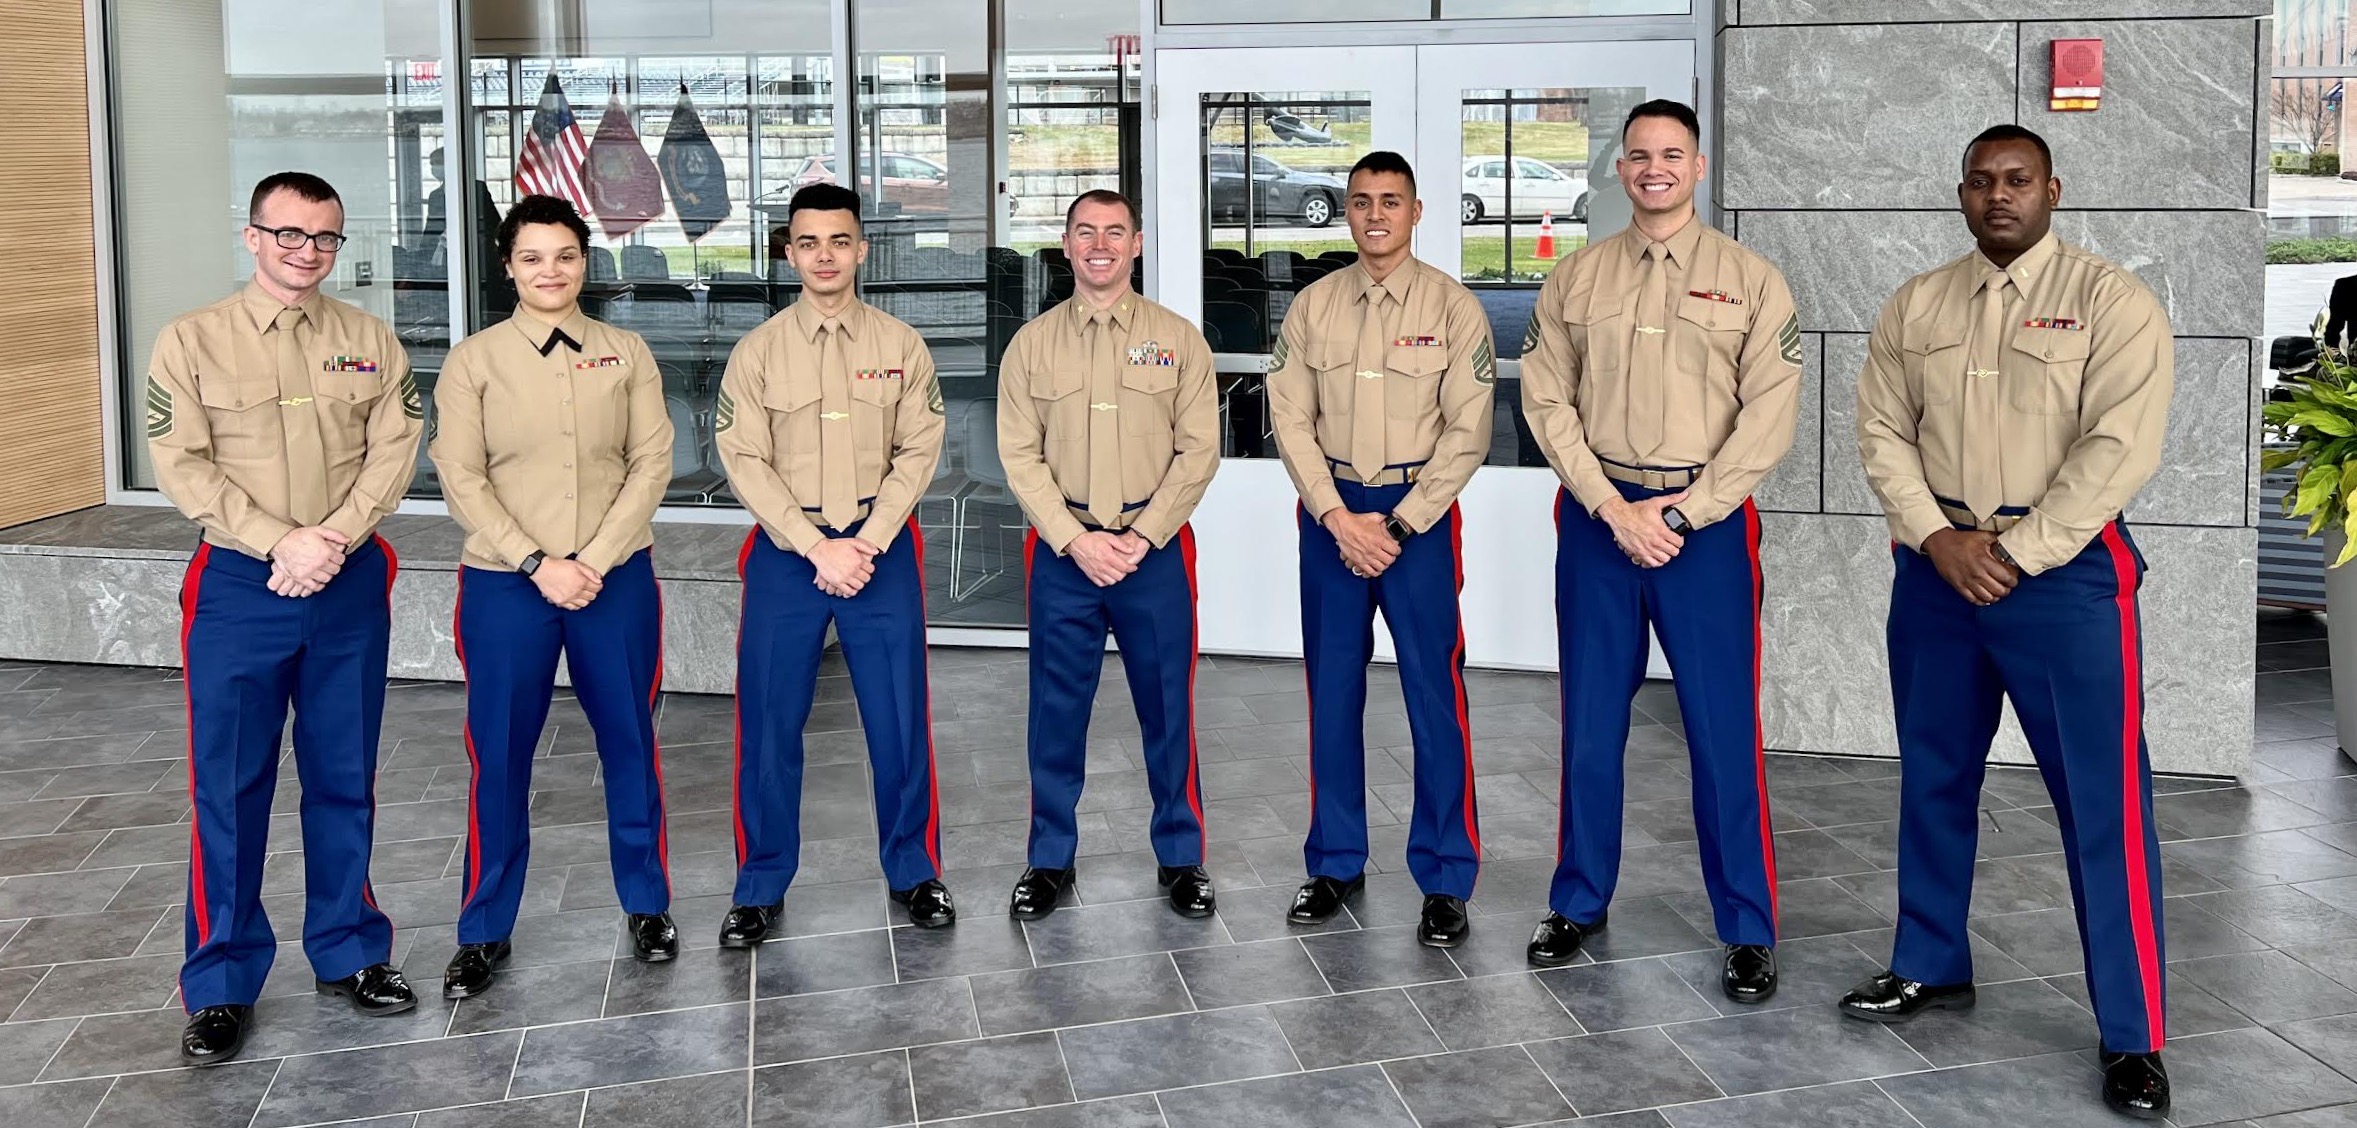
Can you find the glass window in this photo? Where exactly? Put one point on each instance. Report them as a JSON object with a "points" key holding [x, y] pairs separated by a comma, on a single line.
{"points": [[351, 92], [1538, 9], [1352, 11]]}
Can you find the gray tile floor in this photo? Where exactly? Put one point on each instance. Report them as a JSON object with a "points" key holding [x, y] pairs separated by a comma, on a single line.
{"points": [[1116, 1013]]}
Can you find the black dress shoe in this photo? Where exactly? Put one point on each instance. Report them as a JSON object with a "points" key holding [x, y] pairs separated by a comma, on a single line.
{"points": [[1038, 892], [215, 1034], [1893, 998], [1321, 897], [1557, 939], [928, 904], [1190, 890], [749, 925], [653, 938], [474, 967], [1444, 924], [1749, 975], [2136, 1085], [377, 990]]}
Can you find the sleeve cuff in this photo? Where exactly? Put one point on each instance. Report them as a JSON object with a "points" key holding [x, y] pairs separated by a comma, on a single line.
{"points": [[1060, 531], [1593, 492], [799, 537], [1917, 526], [883, 540], [263, 536], [1323, 499]]}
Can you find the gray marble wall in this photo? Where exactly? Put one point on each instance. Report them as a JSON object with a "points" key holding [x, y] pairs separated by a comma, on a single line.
{"points": [[1843, 127]]}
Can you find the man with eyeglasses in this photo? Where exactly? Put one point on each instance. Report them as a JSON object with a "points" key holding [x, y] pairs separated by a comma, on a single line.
{"points": [[285, 423]]}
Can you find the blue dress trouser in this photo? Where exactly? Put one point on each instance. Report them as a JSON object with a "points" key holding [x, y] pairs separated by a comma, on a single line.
{"points": [[882, 630], [2066, 647], [1705, 606], [1151, 615], [509, 637], [1418, 597], [250, 655]]}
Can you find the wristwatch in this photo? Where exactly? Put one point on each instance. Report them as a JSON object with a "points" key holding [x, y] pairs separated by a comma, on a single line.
{"points": [[1676, 521], [1399, 530], [531, 563], [1997, 549]]}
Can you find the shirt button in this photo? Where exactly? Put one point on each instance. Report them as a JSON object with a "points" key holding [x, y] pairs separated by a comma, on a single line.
{"points": [[566, 401], [568, 466], [568, 495]]}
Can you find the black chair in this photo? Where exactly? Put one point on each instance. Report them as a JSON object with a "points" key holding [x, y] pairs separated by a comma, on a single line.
{"points": [[644, 263], [1227, 256], [1234, 327], [1339, 258]]}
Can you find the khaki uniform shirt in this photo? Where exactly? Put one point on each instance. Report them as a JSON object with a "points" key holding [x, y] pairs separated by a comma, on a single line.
{"points": [[1132, 386], [566, 452], [2053, 399], [803, 388], [1665, 356], [1415, 351], [257, 431]]}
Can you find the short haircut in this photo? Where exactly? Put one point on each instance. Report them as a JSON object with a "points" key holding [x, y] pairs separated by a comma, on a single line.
{"points": [[1384, 160], [823, 197], [1103, 196], [302, 184], [2009, 132], [1678, 112], [541, 209]]}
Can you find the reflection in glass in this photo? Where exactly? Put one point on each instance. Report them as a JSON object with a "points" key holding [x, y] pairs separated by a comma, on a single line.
{"points": [[1541, 9], [1292, 11]]}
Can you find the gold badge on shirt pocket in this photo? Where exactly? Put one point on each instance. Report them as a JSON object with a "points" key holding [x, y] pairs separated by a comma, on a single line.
{"points": [[879, 374], [348, 364], [600, 362], [1152, 354]]}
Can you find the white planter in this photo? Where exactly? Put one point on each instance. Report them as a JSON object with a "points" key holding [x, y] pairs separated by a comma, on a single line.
{"points": [[2340, 632]]}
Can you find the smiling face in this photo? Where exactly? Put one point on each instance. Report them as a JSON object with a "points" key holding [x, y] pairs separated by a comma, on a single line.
{"points": [[826, 251], [1102, 242], [1659, 166], [548, 266], [2008, 197], [299, 272], [1383, 210]]}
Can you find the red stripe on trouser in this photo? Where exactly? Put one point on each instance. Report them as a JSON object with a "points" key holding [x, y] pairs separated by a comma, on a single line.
{"points": [[189, 586], [916, 540], [1563, 704], [474, 779], [2148, 964], [736, 774], [1759, 739], [392, 572], [1030, 548], [654, 742], [1186, 544], [1457, 674]]}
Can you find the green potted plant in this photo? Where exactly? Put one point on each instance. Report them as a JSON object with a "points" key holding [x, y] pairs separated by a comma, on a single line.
{"points": [[2311, 424]]}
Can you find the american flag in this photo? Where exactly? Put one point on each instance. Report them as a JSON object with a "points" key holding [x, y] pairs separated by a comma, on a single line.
{"points": [[550, 164]]}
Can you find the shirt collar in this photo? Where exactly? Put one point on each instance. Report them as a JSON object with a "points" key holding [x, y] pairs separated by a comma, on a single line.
{"points": [[1681, 244], [2028, 266], [808, 320], [1121, 313], [573, 330], [1397, 285], [263, 308]]}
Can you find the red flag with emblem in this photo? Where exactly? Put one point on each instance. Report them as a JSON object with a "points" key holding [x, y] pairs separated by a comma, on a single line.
{"points": [[625, 188]]}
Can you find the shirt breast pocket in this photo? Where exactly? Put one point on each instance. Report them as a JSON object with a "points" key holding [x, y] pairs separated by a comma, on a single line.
{"points": [[1147, 395], [225, 394], [1336, 366], [2051, 363], [1415, 380], [1709, 340], [792, 406], [881, 391], [1933, 363], [1599, 334], [1061, 412]]}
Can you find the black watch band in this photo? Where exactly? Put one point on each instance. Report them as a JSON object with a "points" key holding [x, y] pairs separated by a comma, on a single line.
{"points": [[531, 563], [1676, 521], [1997, 550], [1399, 530]]}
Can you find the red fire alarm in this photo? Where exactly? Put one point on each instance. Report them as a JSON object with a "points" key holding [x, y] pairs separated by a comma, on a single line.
{"points": [[2078, 75]]}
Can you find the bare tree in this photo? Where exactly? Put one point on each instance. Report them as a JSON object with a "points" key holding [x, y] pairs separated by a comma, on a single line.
{"points": [[2301, 111]]}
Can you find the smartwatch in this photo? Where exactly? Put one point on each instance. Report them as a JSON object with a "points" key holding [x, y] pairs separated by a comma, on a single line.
{"points": [[1676, 521], [531, 563], [1399, 530]]}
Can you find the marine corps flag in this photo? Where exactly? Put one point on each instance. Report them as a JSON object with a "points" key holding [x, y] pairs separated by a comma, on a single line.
{"points": [[624, 187], [692, 171]]}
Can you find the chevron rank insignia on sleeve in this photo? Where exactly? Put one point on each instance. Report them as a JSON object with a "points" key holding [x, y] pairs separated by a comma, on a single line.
{"points": [[1789, 339], [412, 405], [724, 414], [1485, 363], [159, 410]]}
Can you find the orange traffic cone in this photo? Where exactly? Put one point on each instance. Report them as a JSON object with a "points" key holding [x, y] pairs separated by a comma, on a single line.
{"points": [[1546, 247]]}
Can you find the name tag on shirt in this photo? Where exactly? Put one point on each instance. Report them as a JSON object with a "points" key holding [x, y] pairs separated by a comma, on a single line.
{"points": [[2053, 323], [601, 362], [1418, 342], [348, 364], [1153, 355], [1715, 296], [877, 374]]}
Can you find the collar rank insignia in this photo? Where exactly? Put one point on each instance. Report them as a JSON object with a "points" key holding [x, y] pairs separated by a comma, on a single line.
{"points": [[601, 362], [1153, 355], [1418, 342], [2052, 323], [1715, 296], [348, 364], [878, 374]]}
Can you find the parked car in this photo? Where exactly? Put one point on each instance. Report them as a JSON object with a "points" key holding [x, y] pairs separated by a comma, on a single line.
{"points": [[919, 186], [1276, 191], [1538, 187]]}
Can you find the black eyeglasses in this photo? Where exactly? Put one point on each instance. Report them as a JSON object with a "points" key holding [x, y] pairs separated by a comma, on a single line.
{"points": [[291, 238]]}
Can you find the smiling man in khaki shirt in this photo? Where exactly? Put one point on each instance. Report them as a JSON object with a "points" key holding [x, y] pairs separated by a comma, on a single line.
{"points": [[2012, 404], [830, 425], [1662, 377], [1381, 390], [1108, 425], [285, 423]]}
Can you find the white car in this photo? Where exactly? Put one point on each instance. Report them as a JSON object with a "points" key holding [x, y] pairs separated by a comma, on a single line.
{"points": [[1538, 187]]}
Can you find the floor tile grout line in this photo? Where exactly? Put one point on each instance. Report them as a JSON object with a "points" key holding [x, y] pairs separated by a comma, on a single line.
{"points": [[1895, 1103], [113, 1082], [259, 1105], [522, 1036], [61, 1045], [1551, 1082]]}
